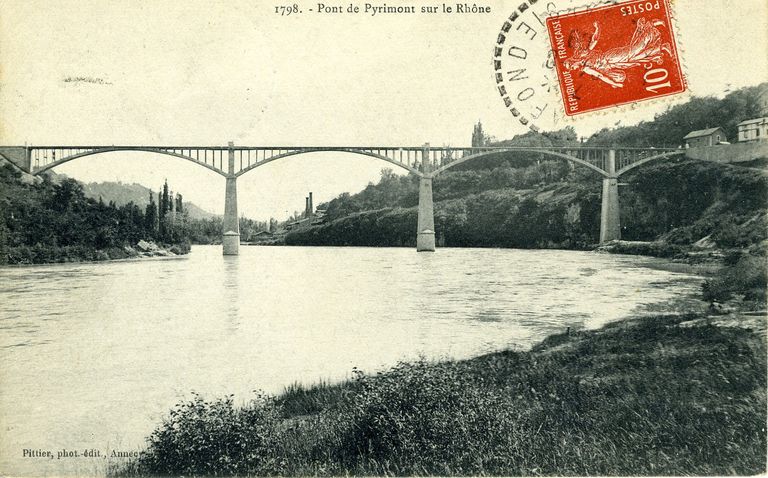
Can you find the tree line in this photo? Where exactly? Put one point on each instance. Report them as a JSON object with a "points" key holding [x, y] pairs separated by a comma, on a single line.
{"points": [[46, 221]]}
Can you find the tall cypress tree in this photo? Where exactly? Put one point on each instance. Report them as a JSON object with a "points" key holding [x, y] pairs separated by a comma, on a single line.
{"points": [[150, 218], [160, 215], [164, 208], [166, 203]]}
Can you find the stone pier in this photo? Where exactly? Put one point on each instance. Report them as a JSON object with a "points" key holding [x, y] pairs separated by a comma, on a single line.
{"points": [[230, 237], [425, 233], [610, 228]]}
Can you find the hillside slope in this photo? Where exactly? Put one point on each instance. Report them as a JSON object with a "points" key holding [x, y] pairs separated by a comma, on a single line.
{"points": [[122, 193], [527, 200]]}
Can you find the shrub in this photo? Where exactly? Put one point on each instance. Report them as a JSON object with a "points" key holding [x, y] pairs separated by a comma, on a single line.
{"points": [[214, 438], [423, 418], [181, 248], [745, 277]]}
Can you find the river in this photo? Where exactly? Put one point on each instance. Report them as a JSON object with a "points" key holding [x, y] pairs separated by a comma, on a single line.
{"points": [[94, 355]]}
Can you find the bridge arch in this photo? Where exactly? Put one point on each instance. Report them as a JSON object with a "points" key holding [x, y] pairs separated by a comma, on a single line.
{"points": [[666, 155], [555, 154], [126, 148], [325, 150]]}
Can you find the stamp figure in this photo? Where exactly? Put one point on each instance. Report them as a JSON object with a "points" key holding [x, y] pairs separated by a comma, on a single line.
{"points": [[630, 56]]}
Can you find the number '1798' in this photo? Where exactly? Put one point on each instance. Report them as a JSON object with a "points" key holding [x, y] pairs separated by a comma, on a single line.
{"points": [[285, 10]]}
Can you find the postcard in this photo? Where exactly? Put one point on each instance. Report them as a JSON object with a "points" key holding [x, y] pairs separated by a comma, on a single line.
{"points": [[403, 238]]}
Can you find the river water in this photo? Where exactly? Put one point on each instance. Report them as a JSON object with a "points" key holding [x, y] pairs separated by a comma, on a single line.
{"points": [[93, 355]]}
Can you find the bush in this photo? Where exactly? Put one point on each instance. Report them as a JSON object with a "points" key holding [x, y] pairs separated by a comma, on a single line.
{"points": [[423, 418], [181, 248], [741, 232], [213, 438], [745, 276]]}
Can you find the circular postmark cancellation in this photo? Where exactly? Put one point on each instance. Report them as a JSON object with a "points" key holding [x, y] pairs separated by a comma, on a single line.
{"points": [[556, 59]]}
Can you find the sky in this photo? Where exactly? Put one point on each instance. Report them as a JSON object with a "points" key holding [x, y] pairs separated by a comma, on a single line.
{"points": [[208, 72]]}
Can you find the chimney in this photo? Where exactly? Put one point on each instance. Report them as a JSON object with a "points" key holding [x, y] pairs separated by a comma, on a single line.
{"points": [[306, 206], [311, 206]]}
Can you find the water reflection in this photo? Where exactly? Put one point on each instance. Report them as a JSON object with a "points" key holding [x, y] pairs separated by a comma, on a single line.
{"points": [[232, 291]]}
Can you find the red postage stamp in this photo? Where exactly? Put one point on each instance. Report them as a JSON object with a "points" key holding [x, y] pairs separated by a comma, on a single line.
{"points": [[615, 55]]}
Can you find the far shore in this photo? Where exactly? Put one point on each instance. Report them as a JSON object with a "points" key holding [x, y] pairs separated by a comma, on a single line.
{"points": [[26, 256], [105, 261]]}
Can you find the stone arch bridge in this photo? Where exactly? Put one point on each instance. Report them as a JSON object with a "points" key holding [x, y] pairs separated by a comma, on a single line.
{"points": [[424, 161]]}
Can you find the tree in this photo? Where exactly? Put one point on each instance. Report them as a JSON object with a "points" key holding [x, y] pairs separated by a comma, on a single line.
{"points": [[479, 138], [150, 218], [164, 206]]}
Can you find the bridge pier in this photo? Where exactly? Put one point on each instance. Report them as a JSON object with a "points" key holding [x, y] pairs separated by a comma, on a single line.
{"points": [[610, 227], [230, 237], [425, 232], [425, 237]]}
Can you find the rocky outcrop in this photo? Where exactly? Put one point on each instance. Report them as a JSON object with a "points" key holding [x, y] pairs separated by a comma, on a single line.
{"points": [[150, 249]]}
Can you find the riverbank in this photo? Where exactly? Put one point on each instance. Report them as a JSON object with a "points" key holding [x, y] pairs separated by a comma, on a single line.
{"points": [[44, 254], [736, 278], [666, 394]]}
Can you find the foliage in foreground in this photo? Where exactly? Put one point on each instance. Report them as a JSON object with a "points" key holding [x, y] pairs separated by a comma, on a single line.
{"points": [[648, 397]]}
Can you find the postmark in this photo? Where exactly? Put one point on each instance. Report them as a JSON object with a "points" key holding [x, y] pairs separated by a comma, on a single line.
{"points": [[526, 66], [614, 55]]}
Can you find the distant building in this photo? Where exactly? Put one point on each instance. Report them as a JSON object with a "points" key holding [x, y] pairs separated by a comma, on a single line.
{"points": [[319, 217], [753, 130], [705, 137]]}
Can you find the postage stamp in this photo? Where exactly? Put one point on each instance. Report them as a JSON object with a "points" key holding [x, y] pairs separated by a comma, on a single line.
{"points": [[614, 55]]}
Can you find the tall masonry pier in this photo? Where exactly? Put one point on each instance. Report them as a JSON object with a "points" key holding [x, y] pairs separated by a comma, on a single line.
{"points": [[230, 239], [425, 233], [610, 228]]}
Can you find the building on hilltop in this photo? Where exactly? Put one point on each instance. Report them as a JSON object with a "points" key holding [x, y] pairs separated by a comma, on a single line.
{"points": [[705, 137], [753, 130]]}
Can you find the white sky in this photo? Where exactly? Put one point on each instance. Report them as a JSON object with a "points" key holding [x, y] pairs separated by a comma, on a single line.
{"points": [[204, 73]]}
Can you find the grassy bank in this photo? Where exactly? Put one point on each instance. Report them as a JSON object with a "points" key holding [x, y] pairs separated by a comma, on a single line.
{"points": [[660, 395]]}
